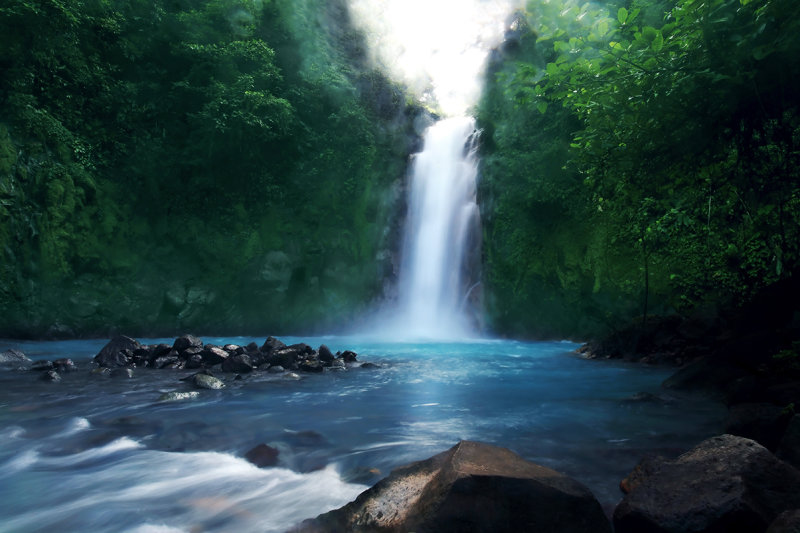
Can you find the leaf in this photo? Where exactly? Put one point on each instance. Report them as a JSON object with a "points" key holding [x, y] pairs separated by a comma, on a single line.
{"points": [[542, 107], [622, 15]]}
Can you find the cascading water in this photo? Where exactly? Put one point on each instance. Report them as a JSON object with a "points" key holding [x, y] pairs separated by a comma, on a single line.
{"points": [[442, 234]]}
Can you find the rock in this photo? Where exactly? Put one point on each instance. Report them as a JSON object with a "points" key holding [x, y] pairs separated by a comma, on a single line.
{"points": [[471, 487], [14, 359], [51, 376], [263, 456], [239, 364], [311, 365], [276, 369], [117, 352], [787, 522], [204, 381], [789, 446], [368, 365], [251, 348], [64, 365], [190, 351], [272, 344], [233, 349], [213, 355], [100, 372], [195, 361], [291, 375], [176, 396], [325, 354], [765, 423], [186, 341], [165, 361], [349, 356], [338, 364], [122, 373], [724, 484], [157, 350]]}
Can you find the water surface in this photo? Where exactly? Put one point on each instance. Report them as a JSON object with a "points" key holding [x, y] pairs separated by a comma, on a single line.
{"points": [[98, 454]]}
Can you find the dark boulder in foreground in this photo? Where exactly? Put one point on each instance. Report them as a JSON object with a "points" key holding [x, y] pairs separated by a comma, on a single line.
{"points": [[725, 484], [471, 487], [787, 522]]}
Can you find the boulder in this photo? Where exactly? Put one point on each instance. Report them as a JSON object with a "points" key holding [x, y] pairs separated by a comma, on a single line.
{"points": [[325, 354], [263, 456], [787, 522], [471, 487], [252, 347], [195, 361], [349, 356], [42, 366], [64, 365], [233, 349], [14, 359], [212, 355], [204, 381], [725, 484], [186, 341], [237, 364], [272, 344], [117, 352]]}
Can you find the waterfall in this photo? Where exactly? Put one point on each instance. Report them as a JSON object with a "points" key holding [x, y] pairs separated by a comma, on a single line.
{"points": [[441, 244]]}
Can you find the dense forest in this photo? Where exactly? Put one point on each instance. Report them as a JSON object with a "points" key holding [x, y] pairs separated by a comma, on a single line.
{"points": [[237, 166], [219, 166], [640, 158]]}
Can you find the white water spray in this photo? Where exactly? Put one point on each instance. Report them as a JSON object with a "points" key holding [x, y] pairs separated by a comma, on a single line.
{"points": [[441, 236]]}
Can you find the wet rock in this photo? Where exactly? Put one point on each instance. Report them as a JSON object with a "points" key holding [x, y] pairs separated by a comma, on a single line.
{"points": [[213, 355], [338, 364], [204, 381], [101, 372], [122, 373], [291, 375], [271, 345], [251, 348], [239, 364], [325, 354], [765, 423], [51, 376], [157, 350], [190, 351], [195, 361], [263, 456], [64, 365], [726, 483], [165, 361], [117, 352], [311, 365], [14, 359], [787, 522], [368, 365], [471, 487], [176, 396], [186, 341], [233, 349], [276, 369], [348, 356]]}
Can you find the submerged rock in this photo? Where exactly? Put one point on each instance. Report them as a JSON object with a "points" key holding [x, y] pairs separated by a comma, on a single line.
{"points": [[204, 381], [51, 376], [176, 396], [725, 484], [263, 456], [471, 487]]}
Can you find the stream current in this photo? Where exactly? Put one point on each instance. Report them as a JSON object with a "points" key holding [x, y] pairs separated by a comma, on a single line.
{"points": [[97, 454]]}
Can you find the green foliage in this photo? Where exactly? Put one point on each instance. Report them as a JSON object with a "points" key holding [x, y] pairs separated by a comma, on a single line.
{"points": [[157, 157], [684, 145]]}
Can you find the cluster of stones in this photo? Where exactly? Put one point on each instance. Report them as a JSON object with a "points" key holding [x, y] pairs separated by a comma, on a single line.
{"points": [[50, 370], [189, 352]]}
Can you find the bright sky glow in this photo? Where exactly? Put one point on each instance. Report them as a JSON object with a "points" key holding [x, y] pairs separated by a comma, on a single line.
{"points": [[437, 47]]}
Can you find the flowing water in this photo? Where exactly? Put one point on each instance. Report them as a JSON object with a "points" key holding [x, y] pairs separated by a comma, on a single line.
{"points": [[97, 454], [441, 245]]}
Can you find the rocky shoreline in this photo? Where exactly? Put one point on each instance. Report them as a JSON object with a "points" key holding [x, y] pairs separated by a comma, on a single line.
{"points": [[122, 355]]}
